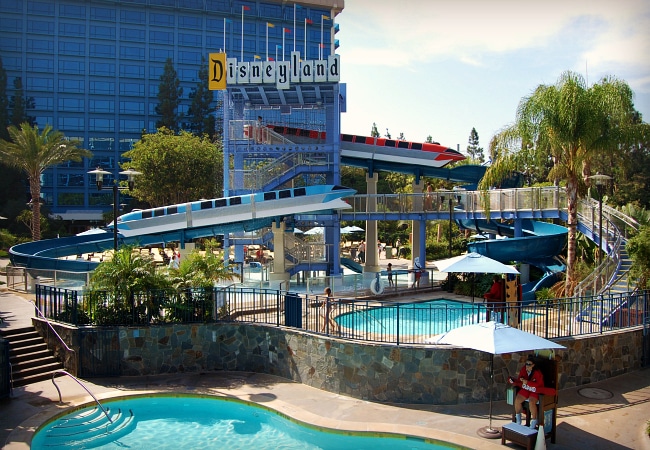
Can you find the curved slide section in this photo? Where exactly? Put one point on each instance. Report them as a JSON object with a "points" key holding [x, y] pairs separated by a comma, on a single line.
{"points": [[539, 246], [183, 221], [353, 266]]}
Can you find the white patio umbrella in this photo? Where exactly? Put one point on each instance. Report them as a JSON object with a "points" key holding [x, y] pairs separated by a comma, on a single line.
{"points": [[473, 263], [353, 228], [494, 338], [315, 230]]}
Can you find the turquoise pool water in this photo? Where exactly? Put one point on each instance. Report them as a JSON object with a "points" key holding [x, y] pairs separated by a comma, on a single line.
{"points": [[413, 319], [201, 422]]}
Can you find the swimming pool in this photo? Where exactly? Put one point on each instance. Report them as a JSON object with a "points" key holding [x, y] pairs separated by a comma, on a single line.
{"points": [[414, 319], [203, 422]]}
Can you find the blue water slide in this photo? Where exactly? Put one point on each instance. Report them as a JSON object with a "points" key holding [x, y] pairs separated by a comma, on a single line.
{"points": [[353, 266], [539, 245]]}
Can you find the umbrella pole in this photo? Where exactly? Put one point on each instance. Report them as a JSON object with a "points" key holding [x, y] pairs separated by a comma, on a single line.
{"points": [[489, 432]]}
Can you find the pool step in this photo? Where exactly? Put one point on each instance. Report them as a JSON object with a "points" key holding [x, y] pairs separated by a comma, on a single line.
{"points": [[90, 428]]}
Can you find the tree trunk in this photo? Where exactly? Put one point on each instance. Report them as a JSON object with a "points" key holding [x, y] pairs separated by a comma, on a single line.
{"points": [[572, 222], [35, 189]]}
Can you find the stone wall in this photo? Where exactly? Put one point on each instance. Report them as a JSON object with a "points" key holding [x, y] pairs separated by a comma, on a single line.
{"points": [[376, 372]]}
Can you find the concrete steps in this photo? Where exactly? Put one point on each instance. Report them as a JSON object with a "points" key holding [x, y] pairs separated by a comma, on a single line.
{"points": [[31, 360]]}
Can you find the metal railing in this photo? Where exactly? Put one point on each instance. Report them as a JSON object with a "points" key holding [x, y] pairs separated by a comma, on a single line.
{"points": [[63, 372], [369, 319]]}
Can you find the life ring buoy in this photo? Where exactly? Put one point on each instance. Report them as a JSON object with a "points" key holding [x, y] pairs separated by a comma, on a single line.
{"points": [[376, 286]]}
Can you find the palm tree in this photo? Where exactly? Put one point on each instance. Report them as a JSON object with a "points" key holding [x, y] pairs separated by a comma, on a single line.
{"points": [[126, 275], [33, 152], [571, 125]]}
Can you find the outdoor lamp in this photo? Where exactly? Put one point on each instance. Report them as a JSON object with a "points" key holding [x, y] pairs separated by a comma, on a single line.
{"points": [[99, 173]]}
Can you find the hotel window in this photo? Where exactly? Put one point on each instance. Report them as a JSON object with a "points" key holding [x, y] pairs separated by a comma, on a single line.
{"points": [[100, 50], [40, 27], [43, 103], [217, 5], [71, 105], [71, 123], [189, 40], [161, 37], [40, 46], [39, 84], [131, 126], [132, 52], [42, 8], [72, 29], [102, 125], [132, 108], [102, 106], [76, 11], [71, 86], [103, 69], [190, 57], [193, 23], [159, 54], [132, 16], [105, 14], [98, 32], [72, 67], [135, 89], [131, 34], [72, 48], [102, 87], [131, 71], [10, 25], [40, 65], [274, 11], [165, 20]]}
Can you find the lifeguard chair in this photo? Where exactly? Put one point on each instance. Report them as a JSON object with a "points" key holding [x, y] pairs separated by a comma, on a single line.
{"points": [[547, 362]]}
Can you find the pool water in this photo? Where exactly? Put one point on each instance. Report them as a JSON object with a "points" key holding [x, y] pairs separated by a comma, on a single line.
{"points": [[202, 422], [413, 319]]}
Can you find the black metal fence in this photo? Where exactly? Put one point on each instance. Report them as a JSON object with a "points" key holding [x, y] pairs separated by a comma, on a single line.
{"points": [[368, 320]]}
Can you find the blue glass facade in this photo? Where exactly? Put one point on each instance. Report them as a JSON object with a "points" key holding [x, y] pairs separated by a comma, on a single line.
{"points": [[93, 67]]}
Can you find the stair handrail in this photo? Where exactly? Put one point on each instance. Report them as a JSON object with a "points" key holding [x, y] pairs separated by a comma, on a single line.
{"points": [[83, 386], [47, 321]]}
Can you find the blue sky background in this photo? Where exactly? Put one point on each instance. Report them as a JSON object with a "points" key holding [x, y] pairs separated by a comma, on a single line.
{"points": [[441, 67]]}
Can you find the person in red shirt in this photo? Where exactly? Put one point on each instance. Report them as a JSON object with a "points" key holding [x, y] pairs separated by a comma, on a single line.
{"points": [[530, 379], [495, 291]]}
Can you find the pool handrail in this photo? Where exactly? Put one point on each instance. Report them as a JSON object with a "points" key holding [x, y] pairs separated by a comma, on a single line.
{"points": [[61, 371]]}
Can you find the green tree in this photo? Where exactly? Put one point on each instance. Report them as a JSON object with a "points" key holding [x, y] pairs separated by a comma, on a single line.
{"points": [[20, 104], [201, 117], [169, 96], [32, 152], [639, 250], [573, 125], [474, 151], [125, 275], [374, 132], [177, 168]]}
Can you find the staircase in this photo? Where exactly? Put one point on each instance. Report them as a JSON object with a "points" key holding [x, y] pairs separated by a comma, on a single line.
{"points": [[30, 359], [623, 282]]}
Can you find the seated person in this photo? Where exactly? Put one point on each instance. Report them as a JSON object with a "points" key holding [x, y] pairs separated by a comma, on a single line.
{"points": [[530, 379]]}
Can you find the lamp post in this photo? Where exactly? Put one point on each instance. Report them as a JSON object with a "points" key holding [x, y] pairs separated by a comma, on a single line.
{"points": [[100, 173], [601, 182]]}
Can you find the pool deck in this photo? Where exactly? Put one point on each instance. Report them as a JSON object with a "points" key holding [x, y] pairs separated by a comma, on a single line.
{"points": [[616, 422]]}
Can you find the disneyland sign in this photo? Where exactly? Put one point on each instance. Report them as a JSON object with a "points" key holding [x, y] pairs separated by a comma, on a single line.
{"points": [[283, 73]]}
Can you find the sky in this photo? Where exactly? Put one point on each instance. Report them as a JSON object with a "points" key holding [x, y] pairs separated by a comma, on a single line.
{"points": [[442, 67]]}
